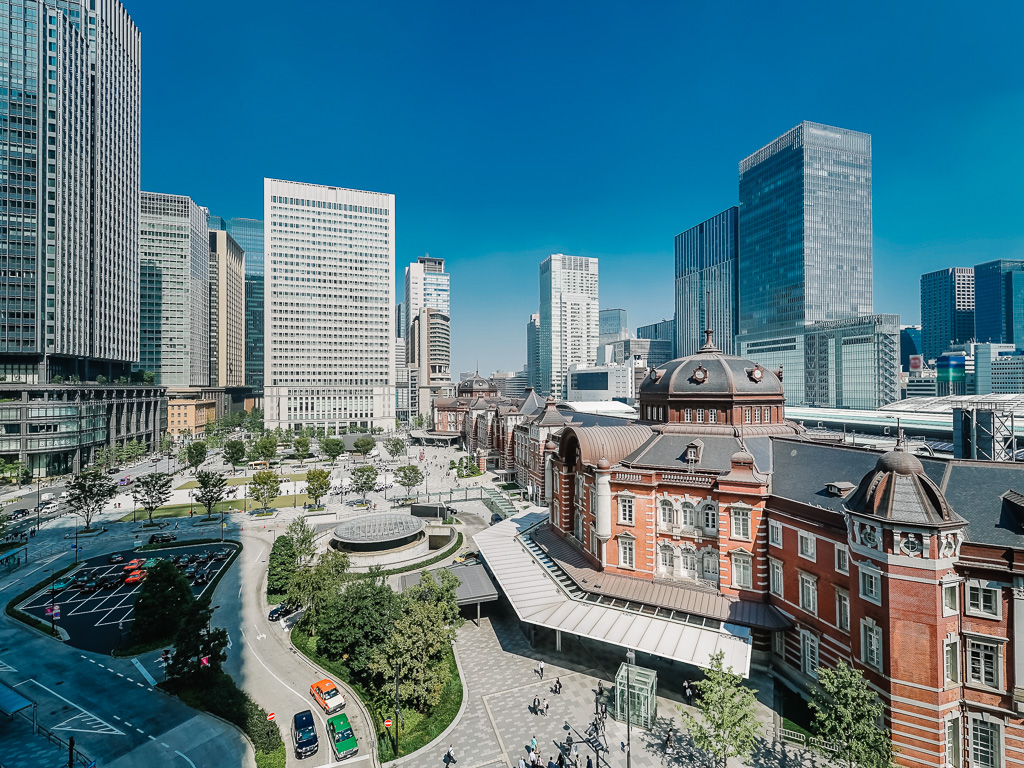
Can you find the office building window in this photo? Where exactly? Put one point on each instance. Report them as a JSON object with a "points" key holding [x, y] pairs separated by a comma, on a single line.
{"points": [[951, 660], [983, 599], [775, 577], [625, 510], [808, 545], [843, 610], [870, 585], [626, 550], [953, 748], [809, 593], [809, 654], [950, 599], [842, 559], [741, 571], [741, 523], [775, 533], [986, 747], [871, 644], [983, 663]]}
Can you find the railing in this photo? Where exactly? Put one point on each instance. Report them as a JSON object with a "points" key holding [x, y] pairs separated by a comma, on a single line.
{"points": [[787, 736], [629, 477], [79, 758], [687, 479]]}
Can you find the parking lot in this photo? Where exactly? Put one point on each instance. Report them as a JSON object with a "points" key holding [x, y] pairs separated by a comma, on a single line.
{"points": [[100, 620]]}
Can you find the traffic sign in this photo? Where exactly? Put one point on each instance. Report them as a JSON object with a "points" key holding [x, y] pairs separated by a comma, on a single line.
{"points": [[205, 661], [387, 723], [56, 612], [270, 716]]}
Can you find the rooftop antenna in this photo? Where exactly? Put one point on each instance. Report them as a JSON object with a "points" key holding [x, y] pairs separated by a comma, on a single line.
{"points": [[709, 345]]}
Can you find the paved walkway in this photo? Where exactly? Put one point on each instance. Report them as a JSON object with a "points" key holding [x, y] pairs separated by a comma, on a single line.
{"points": [[501, 678], [19, 748]]}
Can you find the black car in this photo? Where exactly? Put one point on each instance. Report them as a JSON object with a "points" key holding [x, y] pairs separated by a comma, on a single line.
{"points": [[190, 572], [304, 734], [117, 557], [201, 577], [162, 538], [110, 581], [204, 557], [113, 470], [496, 518], [88, 586], [222, 554], [280, 611], [180, 561]]}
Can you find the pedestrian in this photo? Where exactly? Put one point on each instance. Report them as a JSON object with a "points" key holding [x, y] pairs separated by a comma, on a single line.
{"points": [[541, 668], [600, 689], [590, 763], [575, 755], [561, 760], [533, 742], [689, 694], [522, 763], [668, 740], [558, 685], [546, 705], [536, 705], [451, 754]]}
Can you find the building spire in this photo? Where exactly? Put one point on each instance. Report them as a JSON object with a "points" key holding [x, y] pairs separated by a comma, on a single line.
{"points": [[709, 344]]}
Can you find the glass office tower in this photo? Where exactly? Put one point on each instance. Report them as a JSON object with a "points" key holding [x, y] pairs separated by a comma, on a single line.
{"points": [[706, 284], [947, 310], [248, 233], [999, 301], [805, 230], [568, 318]]}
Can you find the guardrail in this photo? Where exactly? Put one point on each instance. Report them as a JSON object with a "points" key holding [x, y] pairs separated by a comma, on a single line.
{"points": [[787, 736], [74, 753]]}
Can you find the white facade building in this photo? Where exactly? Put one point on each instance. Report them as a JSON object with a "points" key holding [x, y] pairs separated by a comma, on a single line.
{"points": [[569, 318], [426, 285], [329, 306], [602, 382]]}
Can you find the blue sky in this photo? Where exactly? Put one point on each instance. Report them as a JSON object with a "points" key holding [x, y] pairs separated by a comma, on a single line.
{"points": [[511, 131]]}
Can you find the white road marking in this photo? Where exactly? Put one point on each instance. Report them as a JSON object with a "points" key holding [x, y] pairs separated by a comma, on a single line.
{"points": [[165, 746], [105, 726], [118, 674], [141, 731], [128, 724], [282, 682], [143, 672], [5, 667], [116, 717], [151, 738], [184, 758]]}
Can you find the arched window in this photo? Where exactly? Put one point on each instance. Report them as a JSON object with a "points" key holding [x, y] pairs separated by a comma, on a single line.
{"points": [[668, 513], [667, 558], [688, 561], [710, 566], [689, 515]]}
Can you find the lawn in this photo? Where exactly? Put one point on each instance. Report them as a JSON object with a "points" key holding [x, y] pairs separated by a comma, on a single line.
{"points": [[241, 481], [182, 510]]}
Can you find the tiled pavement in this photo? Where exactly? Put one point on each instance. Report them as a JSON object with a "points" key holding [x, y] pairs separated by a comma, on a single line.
{"points": [[500, 674], [20, 749]]}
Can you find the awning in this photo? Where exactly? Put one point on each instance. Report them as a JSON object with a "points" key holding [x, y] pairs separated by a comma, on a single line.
{"points": [[11, 701], [538, 598], [475, 585]]}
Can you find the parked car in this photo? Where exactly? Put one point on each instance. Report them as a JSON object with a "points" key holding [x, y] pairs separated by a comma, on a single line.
{"points": [[88, 586], [60, 585], [151, 562], [65, 495], [190, 572], [133, 565], [201, 577], [113, 470], [496, 518], [343, 741], [280, 611], [136, 577], [110, 581], [468, 557], [222, 554], [326, 694], [117, 557], [304, 738], [162, 538], [204, 557]]}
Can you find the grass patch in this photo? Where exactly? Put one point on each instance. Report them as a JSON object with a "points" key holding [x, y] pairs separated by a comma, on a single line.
{"points": [[25, 618], [235, 505], [448, 552], [276, 598], [241, 481]]}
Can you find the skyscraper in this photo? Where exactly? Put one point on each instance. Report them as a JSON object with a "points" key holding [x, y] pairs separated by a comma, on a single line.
{"points": [[426, 285], [227, 311], [175, 299], [805, 230], [430, 345], [999, 301], [248, 233], [706, 264], [568, 318], [947, 309], [533, 352], [612, 326], [329, 315]]}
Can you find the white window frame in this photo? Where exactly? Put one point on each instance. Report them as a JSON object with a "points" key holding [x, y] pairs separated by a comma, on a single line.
{"points": [[953, 741], [843, 610], [712, 416], [627, 503], [742, 563], [687, 515], [706, 571], [664, 550], [808, 593], [994, 727], [779, 644], [868, 575], [871, 644], [997, 665], [951, 660], [809, 642], [842, 559], [627, 552], [688, 415], [776, 577], [982, 588], [666, 506], [767, 415], [700, 415], [774, 533], [950, 598], [711, 512], [807, 545], [742, 514]]}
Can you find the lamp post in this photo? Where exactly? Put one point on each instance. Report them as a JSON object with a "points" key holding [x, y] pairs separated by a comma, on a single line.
{"points": [[630, 658], [38, 479]]}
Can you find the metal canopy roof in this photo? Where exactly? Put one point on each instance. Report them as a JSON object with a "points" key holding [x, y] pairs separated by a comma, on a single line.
{"points": [[11, 701], [475, 584], [538, 599]]}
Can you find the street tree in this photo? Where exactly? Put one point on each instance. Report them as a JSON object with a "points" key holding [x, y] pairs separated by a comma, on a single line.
{"points": [[264, 488], [105, 456], [363, 445], [408, 477], [210, 493], [234, 453], [266, 447], [364, 480], [164, 599], [728, 726], [151, 492], [281, 565], [194, 641], [355, 622], [88, 492], [313, 585], [440, 594], [395, 446], [303, 538], [166, 443], [318, 483], [254, 420], [847, 714], [301, 445], [332, 447], [195, 454]]}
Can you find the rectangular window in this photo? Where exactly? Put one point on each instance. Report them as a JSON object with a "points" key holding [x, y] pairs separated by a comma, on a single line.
{"points": [[626, 553], [775, 533], [809, 655], [746, 415], [983, 663], [808, 545], [953, 749], [757, 415], [625, 510], [767, 415], [871, 645], [870, 586], [950, 599], [740, 523], [700, 415], [951, 661], [711, 518], [809, 593], [688, 414], [775, 577], [983, 601], [712, 416], [986, 751], [741, 571], [779, 644], [843, 611], [842, 559]]}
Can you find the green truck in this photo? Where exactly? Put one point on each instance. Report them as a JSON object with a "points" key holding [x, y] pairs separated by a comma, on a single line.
{"points": [[343, 741]]}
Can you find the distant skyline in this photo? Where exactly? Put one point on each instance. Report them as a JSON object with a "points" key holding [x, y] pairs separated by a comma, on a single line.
{"points": [[593, 129]]}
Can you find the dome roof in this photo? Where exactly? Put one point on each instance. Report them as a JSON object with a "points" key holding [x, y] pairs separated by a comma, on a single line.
{"points": [[477, 385], [711, 372], [899, 461]]}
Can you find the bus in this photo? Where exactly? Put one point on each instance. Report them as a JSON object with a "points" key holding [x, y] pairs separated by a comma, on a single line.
{"points": [[257, 465]]}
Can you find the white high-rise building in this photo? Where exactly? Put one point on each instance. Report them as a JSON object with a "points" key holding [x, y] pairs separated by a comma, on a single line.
{"points": [[427, 285], [329, 358], [569, 321]]}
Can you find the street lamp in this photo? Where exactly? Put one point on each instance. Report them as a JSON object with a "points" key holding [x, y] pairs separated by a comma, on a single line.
{"points": [[38, 479], [630, 658]]}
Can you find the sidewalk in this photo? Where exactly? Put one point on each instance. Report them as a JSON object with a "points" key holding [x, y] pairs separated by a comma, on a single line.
{"points": [[20, 748]]}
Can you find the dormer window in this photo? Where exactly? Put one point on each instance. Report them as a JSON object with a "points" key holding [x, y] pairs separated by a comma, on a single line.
{"points": [[700, 415], [746, 415], [688, 415], [691, 454]]}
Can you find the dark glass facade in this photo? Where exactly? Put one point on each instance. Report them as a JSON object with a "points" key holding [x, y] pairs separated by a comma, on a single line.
{"points": [[248, 233], [999, 301], [706, 264], [947, 310], [805, 230]]}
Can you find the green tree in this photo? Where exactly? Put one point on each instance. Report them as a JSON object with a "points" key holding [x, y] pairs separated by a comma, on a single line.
{"points": [[408, 477], [364, 479], [234, 453], [332, 448], [318, 483], [266, 447], [364, 445], [847, 717], [210, 493], [264, 488], [164, 599], [254, 420], [88, 492], [196, 640], [301, 448], [166, 443], [312, 586], [303, 538], [105, 456], [395, 446], [440, 594], [152, 491], [281, 565], [352, 624], [728, 726], [195, 453]]}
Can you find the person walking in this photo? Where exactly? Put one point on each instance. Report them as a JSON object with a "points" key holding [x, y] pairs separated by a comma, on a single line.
{"points": [[536, 711], [541, 668], [522, 763], [450, 755], [574, 755], [668, 741], [689, 694], [590, 763], [546, 705], [533, 744]]}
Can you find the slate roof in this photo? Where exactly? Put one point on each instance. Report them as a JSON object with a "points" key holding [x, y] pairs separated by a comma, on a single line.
{"points": [[696, 599], [725, 375], [668, 451], [475, 584]]}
